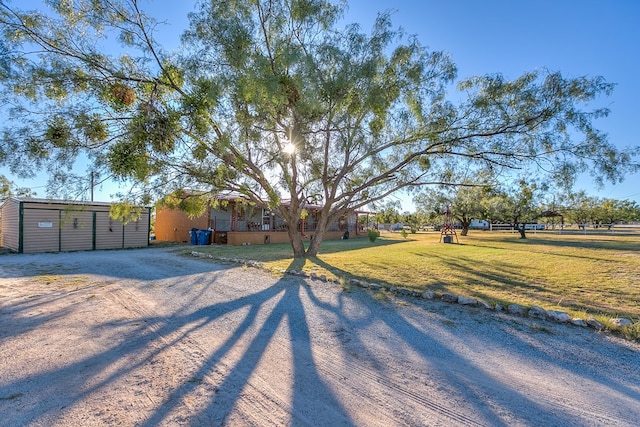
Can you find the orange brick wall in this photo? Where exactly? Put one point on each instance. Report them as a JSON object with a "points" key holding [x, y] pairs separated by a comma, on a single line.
{"points": [[238, 238], [173, 225]]}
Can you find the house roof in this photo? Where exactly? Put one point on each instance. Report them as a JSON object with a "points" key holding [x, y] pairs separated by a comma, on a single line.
{"points": [[232, 196]]}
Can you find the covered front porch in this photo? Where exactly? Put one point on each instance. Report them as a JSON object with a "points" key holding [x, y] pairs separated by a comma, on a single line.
{"points": [[240, 224], [239, 238]]}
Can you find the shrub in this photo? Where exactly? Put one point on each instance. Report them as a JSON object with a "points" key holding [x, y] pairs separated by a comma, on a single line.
{"points": [[373, 234], [403, 233]]}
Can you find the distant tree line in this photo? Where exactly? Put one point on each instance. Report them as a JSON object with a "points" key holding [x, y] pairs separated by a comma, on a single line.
{"points": [[594, 211], [516, 205]]}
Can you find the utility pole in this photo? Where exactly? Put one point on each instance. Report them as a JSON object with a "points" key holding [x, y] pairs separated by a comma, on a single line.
{"points": [[92, 186]]}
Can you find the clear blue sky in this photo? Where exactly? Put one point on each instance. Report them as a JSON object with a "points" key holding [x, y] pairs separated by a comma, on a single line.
{"points": [[575, 37]]}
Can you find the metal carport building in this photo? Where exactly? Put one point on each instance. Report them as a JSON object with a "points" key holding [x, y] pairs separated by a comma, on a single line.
{"points": [[38, 225]]}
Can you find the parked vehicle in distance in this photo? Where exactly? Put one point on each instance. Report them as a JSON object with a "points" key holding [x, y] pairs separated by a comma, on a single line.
{"points": [[534, 226], [479, 224]]}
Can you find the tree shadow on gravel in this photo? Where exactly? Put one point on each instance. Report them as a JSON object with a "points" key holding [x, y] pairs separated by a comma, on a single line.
{"points": [[288, 313], [406, 361], [459, 371], [264, 312], [139, 263]]}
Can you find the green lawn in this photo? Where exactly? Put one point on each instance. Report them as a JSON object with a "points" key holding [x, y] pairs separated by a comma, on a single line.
{"points": [[585, 275]]}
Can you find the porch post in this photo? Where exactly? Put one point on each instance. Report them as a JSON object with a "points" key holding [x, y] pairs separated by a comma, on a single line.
{"points": [[234, 218]]}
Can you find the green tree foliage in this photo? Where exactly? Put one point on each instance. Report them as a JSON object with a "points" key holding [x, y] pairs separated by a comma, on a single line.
{"points": [[517, 204], [611, 212], [5, 187], [466, 201], [581, 209], [587, 210], [414, 220], [9, 189], [366, 113], [388, 213]]}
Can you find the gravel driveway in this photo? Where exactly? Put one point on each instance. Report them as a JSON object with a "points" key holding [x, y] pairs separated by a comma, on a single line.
{"points": [[149, 337]]}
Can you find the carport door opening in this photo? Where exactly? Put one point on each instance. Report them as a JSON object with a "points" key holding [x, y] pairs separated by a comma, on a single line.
{"points": [[108, 232], [41, 230], [76, 231]]}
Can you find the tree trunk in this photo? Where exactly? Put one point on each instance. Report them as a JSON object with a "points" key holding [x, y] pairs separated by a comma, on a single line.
{"points": [[465, 227], [521, 229], [318, 237], [297, 244], [291, 215]]}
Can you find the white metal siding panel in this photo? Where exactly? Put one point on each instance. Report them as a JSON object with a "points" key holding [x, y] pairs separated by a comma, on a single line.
{"points": [[108, 232], [136, 233], [37, 235], [11, 225], [77, 231]]}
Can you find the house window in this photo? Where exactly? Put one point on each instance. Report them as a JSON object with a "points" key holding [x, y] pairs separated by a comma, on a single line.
{"points": [[266, 219]]}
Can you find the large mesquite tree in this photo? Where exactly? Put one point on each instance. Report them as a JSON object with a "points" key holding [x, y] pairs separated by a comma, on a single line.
{"points": [[276, 100]]}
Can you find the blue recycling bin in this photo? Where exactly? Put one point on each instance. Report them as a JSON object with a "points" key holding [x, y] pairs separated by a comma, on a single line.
{"points": [[204, 237], [194, 236]]}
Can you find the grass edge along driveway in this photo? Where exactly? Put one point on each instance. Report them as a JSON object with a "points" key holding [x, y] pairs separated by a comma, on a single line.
{"points": [[586, 275]]}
